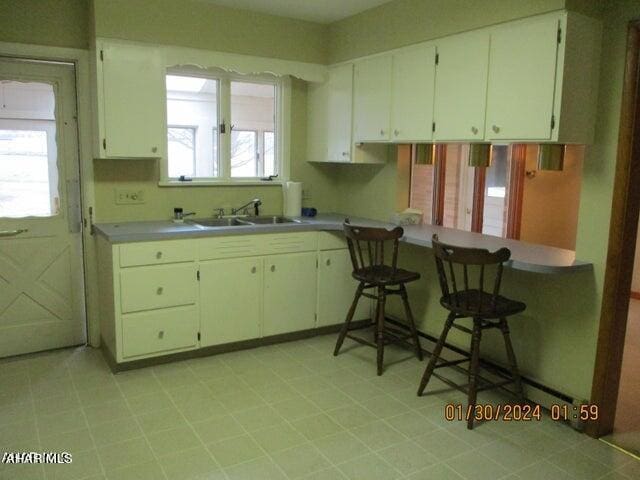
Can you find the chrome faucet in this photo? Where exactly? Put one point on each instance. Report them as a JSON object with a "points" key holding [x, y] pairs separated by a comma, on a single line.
{"points": [[256, 202]]}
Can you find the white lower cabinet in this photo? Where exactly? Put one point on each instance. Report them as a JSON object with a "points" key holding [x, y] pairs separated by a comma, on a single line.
{"points": [[289, 293], [337, 288], [230, 300], [159, 299]]}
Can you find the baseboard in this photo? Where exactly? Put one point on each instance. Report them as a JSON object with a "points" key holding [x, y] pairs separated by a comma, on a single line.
{"points": [[225, 348]]}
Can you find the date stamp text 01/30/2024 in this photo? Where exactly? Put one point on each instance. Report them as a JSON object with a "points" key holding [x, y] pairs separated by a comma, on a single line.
{"points": [[519, 412]]}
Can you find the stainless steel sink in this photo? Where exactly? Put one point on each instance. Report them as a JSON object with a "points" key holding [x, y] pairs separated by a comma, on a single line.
{"points": [[240, 221], [220, 222], [270, 220]]}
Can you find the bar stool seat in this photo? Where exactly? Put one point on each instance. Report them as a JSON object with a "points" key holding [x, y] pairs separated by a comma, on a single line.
{"points": [[476, 303], [385, 275], [367, 252]]}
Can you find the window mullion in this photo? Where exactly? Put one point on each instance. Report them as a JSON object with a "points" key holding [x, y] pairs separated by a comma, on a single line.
{"points": [[225, 138]]}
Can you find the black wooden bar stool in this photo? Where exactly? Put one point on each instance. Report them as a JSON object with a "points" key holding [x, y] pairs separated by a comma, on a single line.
{"points": [[367, 250], [487, 309]]}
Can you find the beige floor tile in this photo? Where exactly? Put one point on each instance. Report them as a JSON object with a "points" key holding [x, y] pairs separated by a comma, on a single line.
{"points": [[579, 465], [161, 420], [191, 464], [436, 472], [340, 447], [56, 404], [309, 385], [352, 416], [262, 468], [144, 471], [475, 466], [301, 460], [226, 385], [145, 384], [330, 398], [177, 379], [217, 429], [276, 392], [295, 408], [150, 402], [84, 464], [407, 457], [62, 422], [98, 396], [377, 435], [129, 452], [384, 406], [72, 442], [543, 471], [369, 467], [238, 401], [22, 472], [107, 412], [199, 410], [442, 444], [174, 440], [277, 438], [16, 413], [331, 473], [232, 451], [115, 432], [257, 418], [509, 454], [316, 426]]}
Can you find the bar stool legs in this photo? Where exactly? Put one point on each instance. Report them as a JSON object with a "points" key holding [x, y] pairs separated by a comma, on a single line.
{"points": [[511, 357], [476, 336], [436, 354], [380, 329], [410, 320], [347, 322]]}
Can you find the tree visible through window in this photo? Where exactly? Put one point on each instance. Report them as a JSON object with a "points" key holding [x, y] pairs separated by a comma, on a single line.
{"points": [[182, 151]]}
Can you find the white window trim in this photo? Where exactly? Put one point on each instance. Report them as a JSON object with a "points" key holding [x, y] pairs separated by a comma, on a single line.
{"points": [[282, 129]]}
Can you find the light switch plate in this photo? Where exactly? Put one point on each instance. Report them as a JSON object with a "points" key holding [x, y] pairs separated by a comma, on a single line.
{"points": [[128, 196]]}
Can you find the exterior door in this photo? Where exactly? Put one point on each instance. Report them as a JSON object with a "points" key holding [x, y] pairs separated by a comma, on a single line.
{"points": [[41, 269]]}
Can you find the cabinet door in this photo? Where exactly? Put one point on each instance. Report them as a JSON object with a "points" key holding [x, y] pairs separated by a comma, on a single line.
{"points": [[522, 76], [230, 300], [289, 293], [340, 103], [337, 288], [132, 102], [372, 99], [461, 87], [412, 94]]}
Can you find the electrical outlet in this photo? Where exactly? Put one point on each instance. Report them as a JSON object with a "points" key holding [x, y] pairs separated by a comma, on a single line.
{"points": [[129, 197]]}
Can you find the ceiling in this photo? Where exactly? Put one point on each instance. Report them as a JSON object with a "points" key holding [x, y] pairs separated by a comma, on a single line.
{"points": [[319, 11]]}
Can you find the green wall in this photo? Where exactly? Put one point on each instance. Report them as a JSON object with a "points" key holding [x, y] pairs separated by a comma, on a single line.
{"points": [[198, 24], [60, 23]]}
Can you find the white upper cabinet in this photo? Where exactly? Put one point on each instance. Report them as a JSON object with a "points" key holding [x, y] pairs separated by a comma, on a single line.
{"points": [[130, 101], [413, 78], [372, 99], [339, 112], [461, 87], [522, 77]]}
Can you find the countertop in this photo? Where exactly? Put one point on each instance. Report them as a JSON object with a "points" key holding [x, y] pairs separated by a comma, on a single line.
{"points": [[524, 256]]}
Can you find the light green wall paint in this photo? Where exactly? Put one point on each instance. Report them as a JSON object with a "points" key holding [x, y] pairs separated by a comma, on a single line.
{"points": [[144, 174], [403, 22], [198, 24], [60, 23]]}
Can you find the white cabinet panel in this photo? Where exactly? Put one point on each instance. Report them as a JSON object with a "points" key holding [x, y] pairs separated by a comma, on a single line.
{"points": [[289, 293], [131, 101], [230, 300], [461, 87], [412, 95], [146, 288], [522, 79], [337, 288], [372, 99], [339, 113]]}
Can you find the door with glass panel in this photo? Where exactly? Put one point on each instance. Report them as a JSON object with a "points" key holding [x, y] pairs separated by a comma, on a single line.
{"points": [[41, 271]]}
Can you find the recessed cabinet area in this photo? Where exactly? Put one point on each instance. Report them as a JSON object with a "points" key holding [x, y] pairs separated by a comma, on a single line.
{"points": [[531, 80], [165, 297]]}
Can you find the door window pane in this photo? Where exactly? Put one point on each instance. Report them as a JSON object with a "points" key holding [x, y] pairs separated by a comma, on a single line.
{"points": [[182, 152], [192, 104], [28, 153], [244, 151], [493, 216], [458, 188], [253, 111]]}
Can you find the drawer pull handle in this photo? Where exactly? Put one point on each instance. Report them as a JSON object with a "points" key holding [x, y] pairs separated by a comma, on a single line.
{"points": [[328, 261], [254, 269], [159, 255], [273, 268], [160, 290], [161, 334]]}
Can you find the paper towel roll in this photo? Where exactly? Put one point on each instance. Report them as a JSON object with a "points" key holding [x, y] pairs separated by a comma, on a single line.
{"points": [[292, 199]]}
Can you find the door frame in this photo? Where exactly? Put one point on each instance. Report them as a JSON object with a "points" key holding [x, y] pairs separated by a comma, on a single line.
{"points": [[623, 230], [81, 60]]}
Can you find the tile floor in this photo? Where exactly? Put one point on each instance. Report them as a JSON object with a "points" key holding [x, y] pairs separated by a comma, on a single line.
{"points": [[280, 412]]}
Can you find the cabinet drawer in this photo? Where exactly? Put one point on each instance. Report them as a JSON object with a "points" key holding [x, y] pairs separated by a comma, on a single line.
{"points": [[159, 331], [156, 253], [232, 246], [331, 241], [146, 288], [288, 242]]}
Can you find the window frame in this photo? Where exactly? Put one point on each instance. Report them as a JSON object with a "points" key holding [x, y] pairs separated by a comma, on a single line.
{"points": [[282, 127]]}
